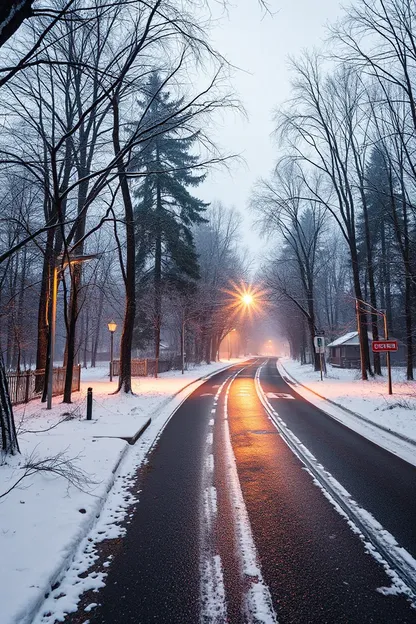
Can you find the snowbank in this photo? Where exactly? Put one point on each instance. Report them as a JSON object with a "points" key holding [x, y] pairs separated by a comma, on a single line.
{"points": [[388, 420]]}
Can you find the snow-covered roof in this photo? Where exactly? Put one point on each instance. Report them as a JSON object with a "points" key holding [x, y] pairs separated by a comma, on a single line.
{"points": [[344, 339], [351, 338]]}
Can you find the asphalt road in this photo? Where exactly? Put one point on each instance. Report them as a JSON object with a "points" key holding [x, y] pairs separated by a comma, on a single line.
{"points": [[218, 540]]}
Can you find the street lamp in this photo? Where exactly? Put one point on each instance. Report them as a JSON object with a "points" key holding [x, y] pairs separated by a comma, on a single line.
{"points": [[229, 343], [60, 265], [247, 299], [112, 326]]}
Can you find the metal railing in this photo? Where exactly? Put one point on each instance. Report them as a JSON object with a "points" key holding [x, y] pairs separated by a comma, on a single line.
{"points": [[28, 385]]}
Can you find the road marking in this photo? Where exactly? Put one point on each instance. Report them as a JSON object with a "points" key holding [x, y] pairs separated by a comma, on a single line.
{"points": [[279, 395], [398, 564], [207, 394], [258, 606], [212, 588], [213, 411]]}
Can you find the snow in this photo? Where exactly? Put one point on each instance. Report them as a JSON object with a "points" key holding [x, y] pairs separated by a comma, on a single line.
{"points": [[343, 339], [46, 519], [365, 406], [212, 588], [377, 540], [258, 606]]}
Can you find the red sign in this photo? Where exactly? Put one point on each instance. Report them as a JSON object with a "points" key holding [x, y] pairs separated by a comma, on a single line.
{"points": [[384, 345]]}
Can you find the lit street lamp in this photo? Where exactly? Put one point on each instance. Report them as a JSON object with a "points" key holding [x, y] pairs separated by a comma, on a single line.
{"points": [[60, 265], [112, 326], [229, 343], [247, 299]]}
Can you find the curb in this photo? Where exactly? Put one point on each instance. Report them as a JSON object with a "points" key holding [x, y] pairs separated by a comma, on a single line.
{"points": [[133, 439], [31, 611], [400, 436]]}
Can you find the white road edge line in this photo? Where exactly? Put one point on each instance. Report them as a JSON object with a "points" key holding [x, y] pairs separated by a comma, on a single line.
{"points": [[212, 588], [397, 562], [258, 604]]}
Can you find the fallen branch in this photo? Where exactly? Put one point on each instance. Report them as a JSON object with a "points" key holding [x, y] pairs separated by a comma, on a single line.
{"points": [[59, 465]]}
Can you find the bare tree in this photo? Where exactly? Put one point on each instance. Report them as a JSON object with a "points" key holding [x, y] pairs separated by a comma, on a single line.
{"points": [[284, 212]]}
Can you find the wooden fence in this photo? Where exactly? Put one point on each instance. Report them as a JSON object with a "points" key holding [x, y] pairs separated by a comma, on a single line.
{"points": [[28, 385], [146, 366]]}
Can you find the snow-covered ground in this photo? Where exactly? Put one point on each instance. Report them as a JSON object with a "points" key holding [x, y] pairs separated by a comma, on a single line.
{"points": [[44, 519], [388, 420]]}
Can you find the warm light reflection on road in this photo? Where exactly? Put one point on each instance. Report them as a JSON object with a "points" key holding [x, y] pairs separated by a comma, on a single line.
{"points": [[252, 433]]}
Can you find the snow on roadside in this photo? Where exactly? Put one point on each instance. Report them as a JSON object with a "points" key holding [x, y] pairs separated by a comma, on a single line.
{"points": [[43, 520], [369, 399]]}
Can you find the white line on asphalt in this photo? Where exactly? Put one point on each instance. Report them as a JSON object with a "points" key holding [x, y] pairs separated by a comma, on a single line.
{"points": [[258, 604], [397, 562], [213, 603]]}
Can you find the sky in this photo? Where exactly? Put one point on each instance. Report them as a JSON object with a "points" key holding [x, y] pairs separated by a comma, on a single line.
{"points": [[259, 45]]}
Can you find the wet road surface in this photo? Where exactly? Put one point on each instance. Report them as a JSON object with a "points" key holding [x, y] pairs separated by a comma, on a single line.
{"points": [[230, 526]]}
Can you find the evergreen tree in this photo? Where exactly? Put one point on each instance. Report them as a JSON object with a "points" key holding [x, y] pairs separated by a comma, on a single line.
{"points": [[166, 211]]}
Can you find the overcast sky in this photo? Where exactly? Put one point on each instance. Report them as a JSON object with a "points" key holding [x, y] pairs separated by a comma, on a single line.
{"points": [[260, 44]]}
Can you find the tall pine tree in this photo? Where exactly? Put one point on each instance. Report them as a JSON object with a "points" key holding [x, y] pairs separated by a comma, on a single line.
{"points": [[166, 211]]}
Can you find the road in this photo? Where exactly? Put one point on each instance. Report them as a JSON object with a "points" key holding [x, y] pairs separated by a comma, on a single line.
{"points": [[231, 526]]}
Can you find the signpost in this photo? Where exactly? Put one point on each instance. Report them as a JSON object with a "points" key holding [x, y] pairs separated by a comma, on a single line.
{"points": [[319, 343], [381, 346], [386, 346]]}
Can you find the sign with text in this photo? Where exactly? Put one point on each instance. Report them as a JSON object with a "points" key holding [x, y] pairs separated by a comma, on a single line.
{"points": [[381, 346]]}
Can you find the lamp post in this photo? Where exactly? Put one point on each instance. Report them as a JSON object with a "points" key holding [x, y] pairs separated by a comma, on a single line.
{"points": [[60, 265], [112, 326], [229, 343]]}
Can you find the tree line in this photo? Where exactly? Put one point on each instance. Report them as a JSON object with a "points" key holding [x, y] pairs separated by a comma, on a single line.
{"points": [[340, 204], [104, 137]]}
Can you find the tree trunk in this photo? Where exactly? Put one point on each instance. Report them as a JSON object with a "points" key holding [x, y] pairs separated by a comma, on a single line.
{"points": [[409, 327], [124, 380], [86, 328], [96, 340], [43, 326], [361, 319], [158, 268], [71, 329], [372, 288], [9, 443]]}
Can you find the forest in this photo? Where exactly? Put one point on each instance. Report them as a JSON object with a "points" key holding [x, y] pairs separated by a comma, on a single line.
{"points": [[105, 138], [108, 111], [339, 207]]}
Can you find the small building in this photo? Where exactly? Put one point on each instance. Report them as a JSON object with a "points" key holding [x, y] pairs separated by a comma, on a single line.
{"points": [[345, 352]]}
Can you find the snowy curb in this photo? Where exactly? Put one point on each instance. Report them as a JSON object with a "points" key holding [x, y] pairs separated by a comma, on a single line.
{"points": [[32, 608], [27, 614], [396, 434]]}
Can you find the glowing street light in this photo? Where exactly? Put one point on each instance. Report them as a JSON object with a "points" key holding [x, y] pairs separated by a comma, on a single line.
{"points": [[247, 299], [112, 326]]}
